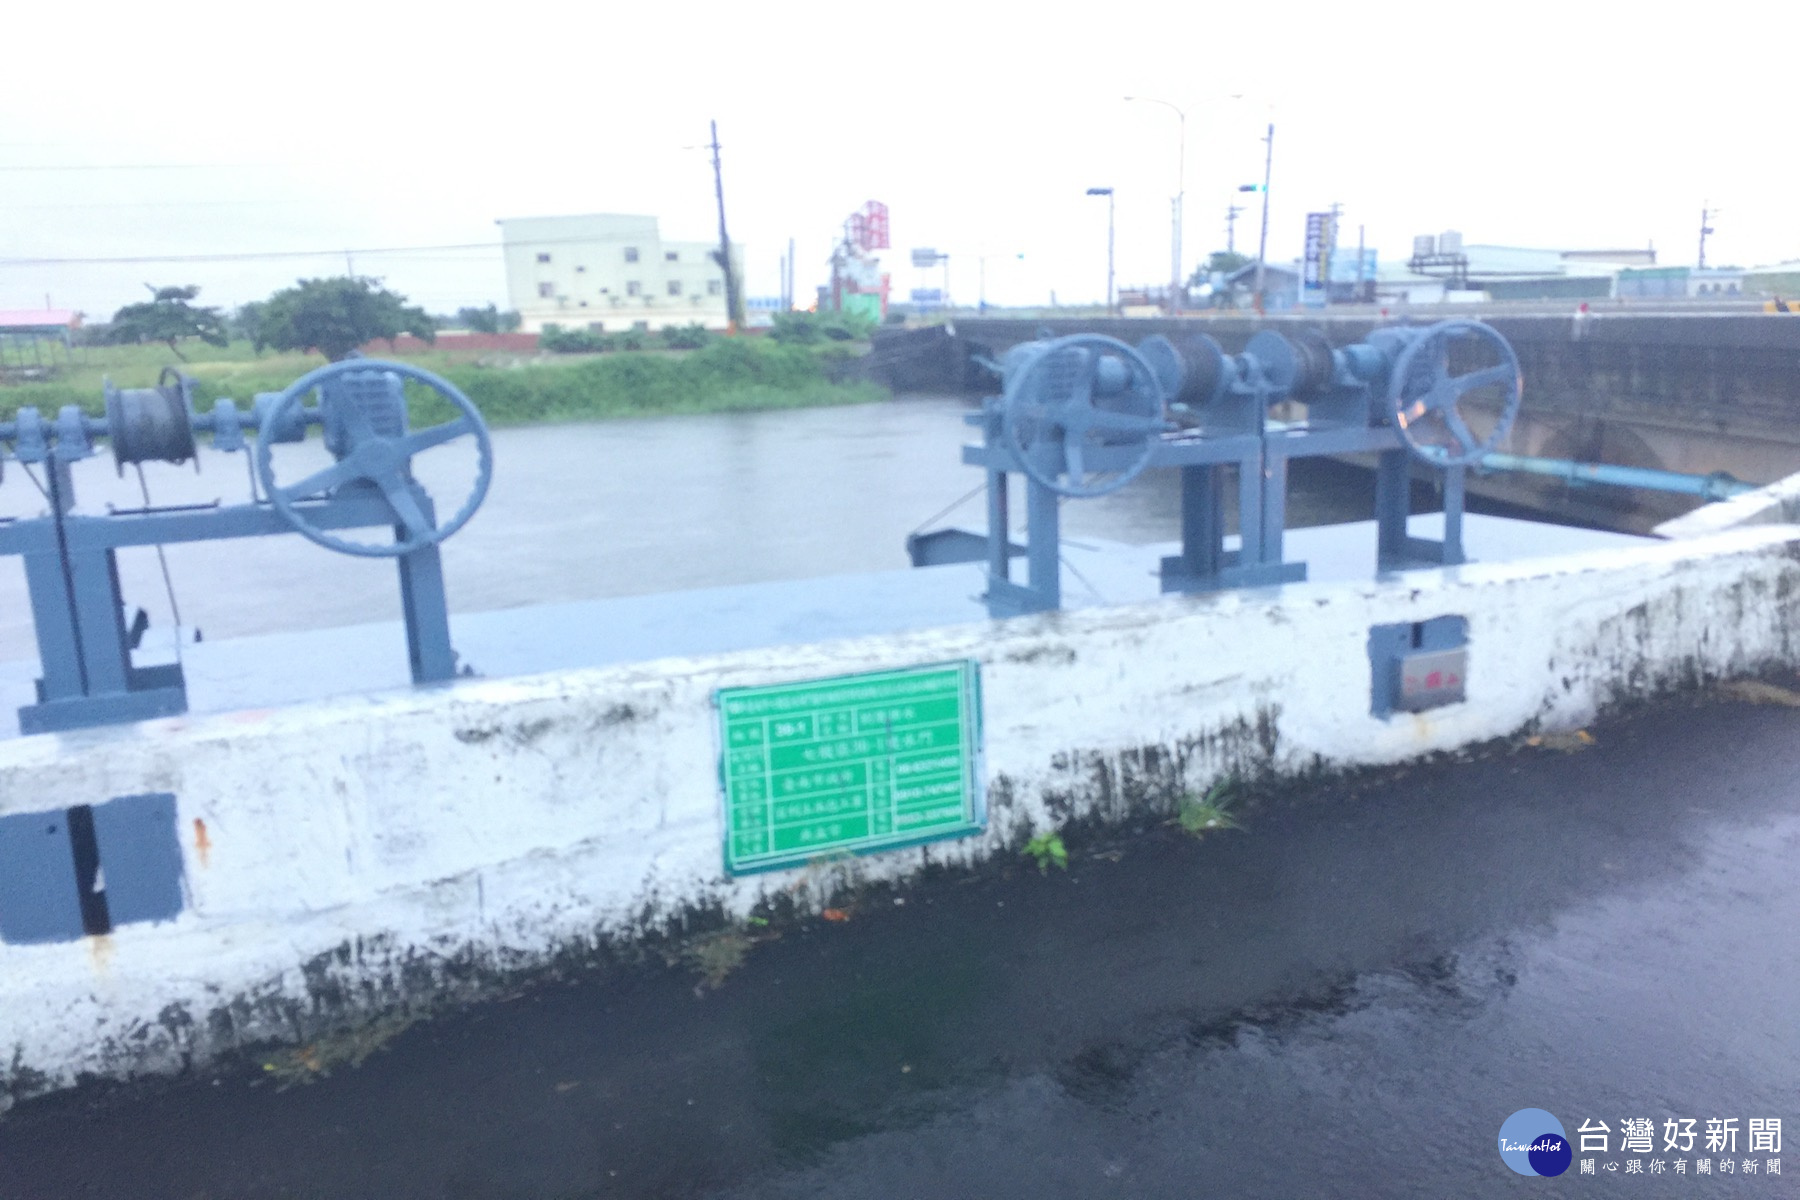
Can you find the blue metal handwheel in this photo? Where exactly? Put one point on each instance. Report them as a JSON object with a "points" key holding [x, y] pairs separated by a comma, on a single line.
{"points": [[1078, 400], [383, 460], [1422, 393]]}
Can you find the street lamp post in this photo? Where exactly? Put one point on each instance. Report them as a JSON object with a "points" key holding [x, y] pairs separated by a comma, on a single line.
{"points": [[1179, 204], [1108, 193], [1262, 242]]}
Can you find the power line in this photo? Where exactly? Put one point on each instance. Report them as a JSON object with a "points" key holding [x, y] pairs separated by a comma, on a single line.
{"points": [[242, 257], [152, 204], [124, 166], [262, 255]]}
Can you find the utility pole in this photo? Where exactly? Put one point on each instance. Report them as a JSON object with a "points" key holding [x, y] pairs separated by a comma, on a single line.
{"points": [[734, 312], [1231, 216], [1361, 259], [788, 279], [1706, 213], [1262, 244], [1329, 251]]}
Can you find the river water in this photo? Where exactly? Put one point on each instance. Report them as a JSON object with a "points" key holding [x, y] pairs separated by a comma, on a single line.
{"points": [[615, 508]]}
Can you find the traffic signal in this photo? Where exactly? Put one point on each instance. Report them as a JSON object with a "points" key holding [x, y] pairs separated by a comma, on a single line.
{"points": [[1250, 187]]}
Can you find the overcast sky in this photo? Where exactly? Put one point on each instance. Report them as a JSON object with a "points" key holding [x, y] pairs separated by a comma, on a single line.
{"points": [[244, 128]]}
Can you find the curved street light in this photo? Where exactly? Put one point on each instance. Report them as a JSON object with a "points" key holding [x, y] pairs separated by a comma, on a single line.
{"points": [[1179, 205]]}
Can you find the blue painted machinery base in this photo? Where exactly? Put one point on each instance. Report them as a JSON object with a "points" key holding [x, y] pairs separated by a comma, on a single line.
{"points": [[1084, 415], [85, 644]]}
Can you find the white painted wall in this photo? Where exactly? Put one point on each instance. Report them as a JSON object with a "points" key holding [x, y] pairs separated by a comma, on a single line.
{"points": [[611, 270], [363, 850]]}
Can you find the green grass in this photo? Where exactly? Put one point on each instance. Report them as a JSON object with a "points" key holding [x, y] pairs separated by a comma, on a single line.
{"points": [[731, 375], [1201, 815]]}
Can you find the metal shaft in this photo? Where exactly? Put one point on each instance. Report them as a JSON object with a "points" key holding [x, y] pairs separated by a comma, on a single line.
{"points": [[1719, 486]]}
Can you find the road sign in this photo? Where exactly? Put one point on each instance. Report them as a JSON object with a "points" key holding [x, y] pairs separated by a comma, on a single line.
{"points": [[927, 258], [927, 295], [850, 764]]}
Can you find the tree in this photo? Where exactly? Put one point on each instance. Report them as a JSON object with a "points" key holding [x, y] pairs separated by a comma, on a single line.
{"points": [[487, 320], [1221, 262], [168, 317], [247, 323], [335, 316], [479, 320]]}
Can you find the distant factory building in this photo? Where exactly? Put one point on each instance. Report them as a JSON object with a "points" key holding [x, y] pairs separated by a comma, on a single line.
{"points": [[1662, 283], [1444, 268], [610, 271]]}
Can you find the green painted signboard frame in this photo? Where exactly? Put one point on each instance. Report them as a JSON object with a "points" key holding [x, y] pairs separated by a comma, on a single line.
{"points": [[850, 764]]}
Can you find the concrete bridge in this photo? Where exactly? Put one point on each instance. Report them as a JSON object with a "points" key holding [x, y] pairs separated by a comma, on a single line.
{"points": [[281, 882], [1688, 392]]}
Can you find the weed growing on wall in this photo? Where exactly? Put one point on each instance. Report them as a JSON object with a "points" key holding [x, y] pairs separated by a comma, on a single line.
{"points": [[1201, 815], [1047, 850]]}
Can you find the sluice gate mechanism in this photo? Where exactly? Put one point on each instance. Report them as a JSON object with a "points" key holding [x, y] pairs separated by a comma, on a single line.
{"points": [[85, 642], [1084, 415]]}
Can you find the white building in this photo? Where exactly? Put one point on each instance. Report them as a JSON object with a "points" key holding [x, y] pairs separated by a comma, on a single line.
{"points": [[608, 272]]}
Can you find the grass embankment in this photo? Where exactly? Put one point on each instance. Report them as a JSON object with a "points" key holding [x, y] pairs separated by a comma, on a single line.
{"points": [[729, 375]]}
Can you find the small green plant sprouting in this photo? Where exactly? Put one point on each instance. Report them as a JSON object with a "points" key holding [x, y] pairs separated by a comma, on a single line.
{"points": [[1201, 815], [1046, 849]]}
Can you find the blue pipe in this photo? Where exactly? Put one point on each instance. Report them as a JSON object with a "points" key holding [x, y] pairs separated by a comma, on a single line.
{"points": [[1717, 486]]}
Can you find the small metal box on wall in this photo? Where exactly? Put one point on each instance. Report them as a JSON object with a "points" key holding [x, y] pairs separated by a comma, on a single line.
{"points": [[1418, 665]]}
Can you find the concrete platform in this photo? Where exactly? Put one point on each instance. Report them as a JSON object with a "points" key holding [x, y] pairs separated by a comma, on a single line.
{"points": [[273, 670]]}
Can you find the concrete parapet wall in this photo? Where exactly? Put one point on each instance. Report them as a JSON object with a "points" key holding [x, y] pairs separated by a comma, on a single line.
{"points": [[1776, 504], [345, 858]]}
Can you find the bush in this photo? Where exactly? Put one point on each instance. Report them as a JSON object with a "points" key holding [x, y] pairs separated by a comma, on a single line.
{"points": [[796, 329], [727, 375], [807, 329], [686, 337], [558, 340], [849, 327]]}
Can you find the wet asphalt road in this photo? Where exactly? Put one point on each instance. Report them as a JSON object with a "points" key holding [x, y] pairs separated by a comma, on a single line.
{"points": [[1347, 999]]}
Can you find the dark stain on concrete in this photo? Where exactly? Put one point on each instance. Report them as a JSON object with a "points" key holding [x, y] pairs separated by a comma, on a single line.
{"points": [[1058, 655], [1148, 781], [523, 734], [620, 714]]}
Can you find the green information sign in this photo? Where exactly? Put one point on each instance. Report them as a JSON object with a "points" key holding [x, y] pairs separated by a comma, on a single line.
{"points": [[849, 764]]}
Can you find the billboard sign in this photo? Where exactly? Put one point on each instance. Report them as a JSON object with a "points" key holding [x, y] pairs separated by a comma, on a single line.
{"points": [[1315, 270]]}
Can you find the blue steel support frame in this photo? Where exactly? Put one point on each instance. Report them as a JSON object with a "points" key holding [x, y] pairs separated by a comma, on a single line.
{"points": [[1239, 435], [84, 647], [71, 564]]}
